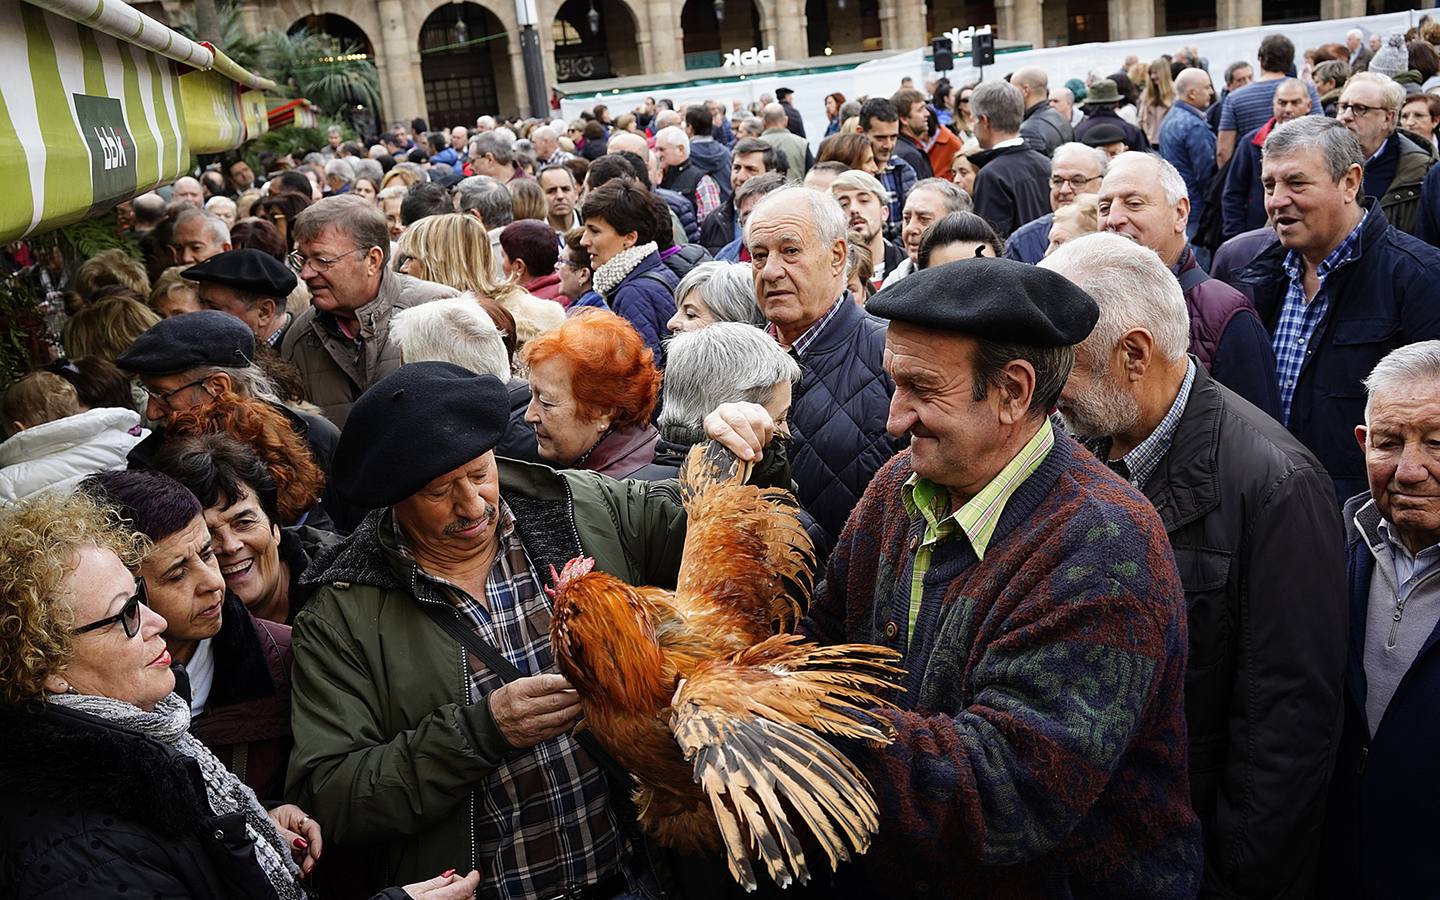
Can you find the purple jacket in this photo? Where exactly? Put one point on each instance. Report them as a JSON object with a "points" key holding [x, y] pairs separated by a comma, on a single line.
{"points": [[1227, 337]]}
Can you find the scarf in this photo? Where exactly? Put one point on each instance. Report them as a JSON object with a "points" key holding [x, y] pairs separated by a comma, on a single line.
{"points": [[169, 724], [609, 276]]}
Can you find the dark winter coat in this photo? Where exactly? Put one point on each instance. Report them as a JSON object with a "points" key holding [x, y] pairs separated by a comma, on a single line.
{"points": [[1044, 129], [680, 260], [1252, 519], [519, 441], [1012, 188], [1242, 205], [713, 159], [647, 301], [94, 810], [718, 229], [298, 546], [246, 721], [837, 419], [1386, 298], [1385, 799], [1397, 176], [908, 150], [683, 210], [1029, 242]]}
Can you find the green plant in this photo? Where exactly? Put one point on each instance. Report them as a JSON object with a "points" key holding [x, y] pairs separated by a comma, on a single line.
{"points": [[230, 36], [333, 75]]}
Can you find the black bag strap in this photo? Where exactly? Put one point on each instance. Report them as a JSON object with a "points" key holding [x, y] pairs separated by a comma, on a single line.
{"points": [[1192, 277], [496, 662]]}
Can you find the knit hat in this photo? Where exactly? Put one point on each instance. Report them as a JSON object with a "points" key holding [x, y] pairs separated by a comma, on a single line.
{"points": [[1391, 59], [1077, 88]]}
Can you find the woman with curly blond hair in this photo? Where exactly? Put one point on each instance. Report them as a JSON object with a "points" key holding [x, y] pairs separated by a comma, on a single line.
{"points": [[107, 791], [108, 327], [454, 249]]}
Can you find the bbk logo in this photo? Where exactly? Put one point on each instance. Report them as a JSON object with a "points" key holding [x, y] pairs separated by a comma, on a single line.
{"points": [[737, 59], [112, 148]]}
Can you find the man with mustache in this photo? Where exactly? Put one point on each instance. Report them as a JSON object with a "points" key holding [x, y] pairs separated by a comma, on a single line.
{"points": [[416, 754]]}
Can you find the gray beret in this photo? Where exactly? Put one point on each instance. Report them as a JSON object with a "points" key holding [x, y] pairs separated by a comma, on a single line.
{"points": [[205, 338]]}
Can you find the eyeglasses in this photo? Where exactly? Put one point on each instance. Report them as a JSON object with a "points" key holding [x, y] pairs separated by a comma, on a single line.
{"points": [[320, 263], [1078, 182], [163, 397], [1358, 110], [128, 616]]}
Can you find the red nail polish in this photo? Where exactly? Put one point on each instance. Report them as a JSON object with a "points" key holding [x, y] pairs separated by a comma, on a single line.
{"points": [[447, 873], [300, 843]]}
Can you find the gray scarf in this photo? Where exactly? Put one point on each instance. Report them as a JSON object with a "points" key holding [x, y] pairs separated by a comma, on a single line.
{"points": [[169, 724], [608, 277]]}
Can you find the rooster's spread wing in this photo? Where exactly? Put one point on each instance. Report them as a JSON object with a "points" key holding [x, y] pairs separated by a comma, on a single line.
{"points": [[742, 543], [751, 727]]}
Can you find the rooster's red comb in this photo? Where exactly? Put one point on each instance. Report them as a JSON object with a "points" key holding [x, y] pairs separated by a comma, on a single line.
{"points": [[575, 568]]}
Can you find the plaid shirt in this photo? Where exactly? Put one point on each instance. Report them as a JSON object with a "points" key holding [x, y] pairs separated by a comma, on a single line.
{"points": [[542, 820], [1299, 318], [898, 177], [803, 342], [707, 198], [1144, 458]]}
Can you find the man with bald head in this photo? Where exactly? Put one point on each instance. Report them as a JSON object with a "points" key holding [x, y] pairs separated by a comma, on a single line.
{"points": [[188, 190], [1043, 128], [777, 133], [1075, 169], [1187, 142], [547, 148], [1243, 202]]}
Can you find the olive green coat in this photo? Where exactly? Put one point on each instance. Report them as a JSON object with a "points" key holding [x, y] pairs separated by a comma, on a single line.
{"points": [[389, 740]]}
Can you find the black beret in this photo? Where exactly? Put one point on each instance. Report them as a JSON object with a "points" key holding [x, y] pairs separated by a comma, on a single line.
{"points": [[996, 299], [414, 425], [247, 270], [1103, 134], [205, 338]]}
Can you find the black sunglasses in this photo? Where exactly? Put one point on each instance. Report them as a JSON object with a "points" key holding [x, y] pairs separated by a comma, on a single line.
{"points": [[128, 616]]}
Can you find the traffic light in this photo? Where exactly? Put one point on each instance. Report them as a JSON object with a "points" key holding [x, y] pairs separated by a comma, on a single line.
{"points": [[982, 49], [943, 53]]}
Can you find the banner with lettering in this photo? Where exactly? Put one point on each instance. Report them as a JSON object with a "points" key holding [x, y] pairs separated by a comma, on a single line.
{"points": [[86, 120]]}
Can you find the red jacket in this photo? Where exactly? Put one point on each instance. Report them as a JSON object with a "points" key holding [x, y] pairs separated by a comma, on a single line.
{"points": [[546, 287]]}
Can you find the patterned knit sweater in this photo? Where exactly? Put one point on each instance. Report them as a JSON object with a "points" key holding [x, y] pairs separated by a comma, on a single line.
{"points": [[1041, 748]]}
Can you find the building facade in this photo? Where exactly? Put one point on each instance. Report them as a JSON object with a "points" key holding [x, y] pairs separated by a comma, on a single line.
{"points": [[449, 61]]}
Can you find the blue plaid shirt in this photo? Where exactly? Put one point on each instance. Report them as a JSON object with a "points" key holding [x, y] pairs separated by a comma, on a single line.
{"points": [[542, 820], [1299, 319], [898, 177], [803, 342]]}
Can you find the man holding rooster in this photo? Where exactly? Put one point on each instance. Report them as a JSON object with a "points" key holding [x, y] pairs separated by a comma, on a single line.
{"points": [[418, 756], [1033, 597]]}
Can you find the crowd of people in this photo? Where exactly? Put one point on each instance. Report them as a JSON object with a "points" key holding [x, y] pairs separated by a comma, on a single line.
{"points": [[1110, 405]]}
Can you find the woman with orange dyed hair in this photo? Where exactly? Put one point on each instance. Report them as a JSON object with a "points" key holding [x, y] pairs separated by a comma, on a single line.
{"points": [[593, 386], [266, 431]]}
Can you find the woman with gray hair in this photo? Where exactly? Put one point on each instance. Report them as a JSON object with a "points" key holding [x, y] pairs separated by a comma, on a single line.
{"points": [[725, 363], [715, 292]]}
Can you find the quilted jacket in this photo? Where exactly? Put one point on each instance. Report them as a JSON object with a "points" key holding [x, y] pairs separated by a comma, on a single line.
{"points": [[837, 419]]}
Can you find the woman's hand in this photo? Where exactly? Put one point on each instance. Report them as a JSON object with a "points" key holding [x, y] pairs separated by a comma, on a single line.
{"points": [[448, 886], [301, 832]]}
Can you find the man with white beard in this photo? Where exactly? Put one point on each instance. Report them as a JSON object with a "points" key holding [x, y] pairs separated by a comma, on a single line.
{"points": [[1255, 527]]}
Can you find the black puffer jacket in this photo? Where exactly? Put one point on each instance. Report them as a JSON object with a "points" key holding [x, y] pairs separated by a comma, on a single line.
{"points": [[94, 810], [837, 419], [1256, 532]]}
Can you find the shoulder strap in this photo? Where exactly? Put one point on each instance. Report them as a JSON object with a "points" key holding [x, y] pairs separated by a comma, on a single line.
{"points": [[1191, 278], [658, 276], [496, 662]]}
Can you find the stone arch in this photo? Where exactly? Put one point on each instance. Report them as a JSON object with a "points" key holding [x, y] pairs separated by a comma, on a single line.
{"points": [[607, 49], [710, 28], [464, 51]]}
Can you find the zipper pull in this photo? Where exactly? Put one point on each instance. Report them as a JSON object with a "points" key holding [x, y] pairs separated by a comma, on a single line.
{"points": [[1395, 626]]}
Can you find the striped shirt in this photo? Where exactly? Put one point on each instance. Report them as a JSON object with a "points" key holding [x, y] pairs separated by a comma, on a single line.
{"points": [[543, 824], [1251, 106], [978, 516], [1300, 317]]}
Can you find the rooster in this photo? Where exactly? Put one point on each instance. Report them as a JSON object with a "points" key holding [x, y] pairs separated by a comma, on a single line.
{"points": [[704, 696]]}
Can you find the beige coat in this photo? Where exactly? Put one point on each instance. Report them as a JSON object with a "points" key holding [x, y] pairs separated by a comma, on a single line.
{"points": [[338, 370]]}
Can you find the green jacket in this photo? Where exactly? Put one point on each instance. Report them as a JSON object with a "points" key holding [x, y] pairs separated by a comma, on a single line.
{"points": [[389, 741], [1401, 202]]}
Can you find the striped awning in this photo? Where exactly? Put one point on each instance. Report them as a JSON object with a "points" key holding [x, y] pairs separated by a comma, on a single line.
{"points": [[99, 103]]}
